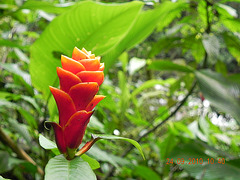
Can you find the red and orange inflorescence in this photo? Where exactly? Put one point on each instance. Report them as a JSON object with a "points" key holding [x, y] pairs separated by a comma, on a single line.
{"points": [[80, 78]]}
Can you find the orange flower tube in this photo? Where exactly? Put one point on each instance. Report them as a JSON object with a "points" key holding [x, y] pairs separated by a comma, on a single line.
{"points": [[80, 78]]}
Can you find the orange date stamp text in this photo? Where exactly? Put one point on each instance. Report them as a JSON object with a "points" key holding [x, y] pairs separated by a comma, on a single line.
{"points": [[196, 161]]}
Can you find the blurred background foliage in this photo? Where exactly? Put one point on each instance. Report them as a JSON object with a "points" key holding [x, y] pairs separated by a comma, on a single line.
{"points": [[172, 83]]}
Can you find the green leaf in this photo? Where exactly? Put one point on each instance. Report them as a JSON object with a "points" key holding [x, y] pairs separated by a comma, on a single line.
{"points": [[29, 118], [112, 137], [94, 164], [136, 119], [21, 56], [20, 129], [4, 156], [23, 76], [182, 128], [233, 24], [233, 45], [221, 92], [32, 101], [101, 155], [195, 45], [212, 46], [8, 43], [169, 66], [146, 173], [46, 143], [124, 60], [221, 67], [8, 104], [14, 68], [96, 124], [97, 27], [228, 9], [167, 145], [76, 169]]}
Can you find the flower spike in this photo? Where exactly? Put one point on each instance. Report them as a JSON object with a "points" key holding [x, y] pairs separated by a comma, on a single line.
{"points": [[80, 78]]}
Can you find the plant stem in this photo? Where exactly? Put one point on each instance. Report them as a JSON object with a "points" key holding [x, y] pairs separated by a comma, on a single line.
{"points": [[87, 146], [19, 151], [112, 169]]}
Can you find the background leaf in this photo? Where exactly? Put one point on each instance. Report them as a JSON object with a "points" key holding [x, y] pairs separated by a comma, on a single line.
{"points": [[146, 173], [168, 66], [221, 92]]}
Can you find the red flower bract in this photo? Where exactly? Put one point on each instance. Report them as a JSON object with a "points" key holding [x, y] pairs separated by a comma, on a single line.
{"points": [[80, 78]]}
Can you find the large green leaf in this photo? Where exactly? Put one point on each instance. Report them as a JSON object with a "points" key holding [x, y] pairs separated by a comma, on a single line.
{"points": [[221, 92], [97, 27], [169, 66], [76, 169]]}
